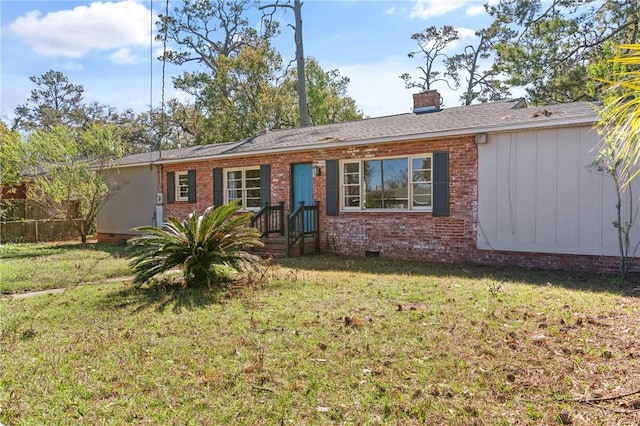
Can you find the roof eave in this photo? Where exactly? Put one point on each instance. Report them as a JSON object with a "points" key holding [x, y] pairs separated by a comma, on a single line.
{"points": [[405, 138], [562, 122]]}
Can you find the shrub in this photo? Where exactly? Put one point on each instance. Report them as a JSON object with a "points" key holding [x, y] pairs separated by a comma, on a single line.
{"points": [[199, 245]]}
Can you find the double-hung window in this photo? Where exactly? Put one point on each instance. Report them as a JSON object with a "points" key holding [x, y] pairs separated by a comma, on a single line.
{"points": [[243, 185], [400, 183], [182, 186]]}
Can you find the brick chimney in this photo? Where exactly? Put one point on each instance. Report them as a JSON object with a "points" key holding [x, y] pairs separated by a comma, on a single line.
{"points": [[428, 98]]}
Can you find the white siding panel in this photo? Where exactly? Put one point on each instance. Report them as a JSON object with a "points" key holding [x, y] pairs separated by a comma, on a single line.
{"points": [[609, 233], [568, 198], [539, 191], [609, 200], [525, 188], [505, 191], [546, 187], [488, 158], [591, 192]]}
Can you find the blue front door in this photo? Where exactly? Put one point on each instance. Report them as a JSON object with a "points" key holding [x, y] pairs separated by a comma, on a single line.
{"points": [[302, 188]]}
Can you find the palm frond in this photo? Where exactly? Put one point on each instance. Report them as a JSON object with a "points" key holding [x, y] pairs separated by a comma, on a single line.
{"points": [[620, 118]]}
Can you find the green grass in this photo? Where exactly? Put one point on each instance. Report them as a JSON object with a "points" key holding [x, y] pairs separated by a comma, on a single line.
{"points": [[326, 341], [31, 267]]}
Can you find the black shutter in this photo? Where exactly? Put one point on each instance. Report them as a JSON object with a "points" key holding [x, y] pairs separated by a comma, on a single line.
{"points": [[265, 184], [333, 195], [441, 183], [217, 186], [191, 175], [171, 187]]}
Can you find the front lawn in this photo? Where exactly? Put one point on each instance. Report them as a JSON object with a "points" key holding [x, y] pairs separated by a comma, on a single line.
{"points": [[41, 266], [328, 341]]}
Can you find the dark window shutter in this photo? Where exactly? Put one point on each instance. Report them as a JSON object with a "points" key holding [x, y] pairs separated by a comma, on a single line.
{"points": [[191, 175], [217, 186], [441, 183], [265, 184], [333, 195], [171, 187]]}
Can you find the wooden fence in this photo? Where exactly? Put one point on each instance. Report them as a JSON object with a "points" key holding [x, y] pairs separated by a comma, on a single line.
{"points": [[25, 221]]}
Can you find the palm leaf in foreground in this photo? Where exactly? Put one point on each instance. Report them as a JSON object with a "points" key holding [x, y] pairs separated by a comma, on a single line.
{"points": [[620, 118], [198, 244]]}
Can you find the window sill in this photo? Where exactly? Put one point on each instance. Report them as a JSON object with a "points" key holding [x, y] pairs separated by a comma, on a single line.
{"points": [[395, 211]]}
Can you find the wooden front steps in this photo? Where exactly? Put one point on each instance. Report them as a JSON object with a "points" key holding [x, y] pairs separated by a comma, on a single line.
{"points": [[277, 247]]}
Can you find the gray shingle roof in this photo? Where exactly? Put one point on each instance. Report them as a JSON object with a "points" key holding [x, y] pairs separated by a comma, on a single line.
{"points": [[460, 120]]}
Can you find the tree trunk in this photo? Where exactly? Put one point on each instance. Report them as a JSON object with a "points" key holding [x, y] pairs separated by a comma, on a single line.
{"points": [[302, 89]]}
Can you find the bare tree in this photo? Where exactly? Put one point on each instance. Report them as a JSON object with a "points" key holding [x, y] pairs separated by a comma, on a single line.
{"points": [[480, 84], [431, 42]]}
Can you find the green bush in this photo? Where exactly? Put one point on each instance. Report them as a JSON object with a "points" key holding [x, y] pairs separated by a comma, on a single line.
{"points": [[199, 245]]}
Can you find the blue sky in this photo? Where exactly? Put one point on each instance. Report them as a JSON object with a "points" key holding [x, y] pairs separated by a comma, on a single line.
{"points": [[105, 47]]}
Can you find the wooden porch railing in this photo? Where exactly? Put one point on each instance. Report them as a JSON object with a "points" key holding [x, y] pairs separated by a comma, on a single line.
{"points": [[303, 222], [269, 220]]}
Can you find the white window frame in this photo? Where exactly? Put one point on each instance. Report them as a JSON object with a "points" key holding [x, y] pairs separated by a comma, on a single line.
{"points": [[243, 187], [362, 184], [344, 185], [185, 185]]}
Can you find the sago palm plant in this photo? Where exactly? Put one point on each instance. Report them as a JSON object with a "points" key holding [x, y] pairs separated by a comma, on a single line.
{"points": [[198, 244]]}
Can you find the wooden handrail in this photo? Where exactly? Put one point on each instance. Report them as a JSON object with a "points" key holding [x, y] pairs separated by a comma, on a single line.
{"points": [[303, 221], [269, 220]]}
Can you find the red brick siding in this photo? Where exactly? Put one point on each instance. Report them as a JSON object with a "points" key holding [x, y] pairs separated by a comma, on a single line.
{"points": [[112, 238], [354, 233], [563, 262]]}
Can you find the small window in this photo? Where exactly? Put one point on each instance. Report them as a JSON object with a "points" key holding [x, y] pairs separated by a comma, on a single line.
{"points": [[243, 185], [351, 185], [182, 186], [421, 182]]}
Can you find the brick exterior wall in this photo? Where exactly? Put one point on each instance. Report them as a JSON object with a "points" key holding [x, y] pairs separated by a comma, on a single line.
{"points": [[113, 238], [410, 235]]}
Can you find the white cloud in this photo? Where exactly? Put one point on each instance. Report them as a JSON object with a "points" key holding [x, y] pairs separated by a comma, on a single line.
{"points": [[96, 27], [425, 9], [125, 56], [69, 66], [475, 10], [467, 36], [391, 10], [466, 33]]}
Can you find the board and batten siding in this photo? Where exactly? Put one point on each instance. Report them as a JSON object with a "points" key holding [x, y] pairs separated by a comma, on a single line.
{"points": [[538, 191]]}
